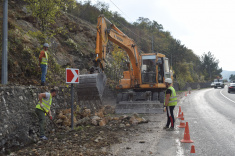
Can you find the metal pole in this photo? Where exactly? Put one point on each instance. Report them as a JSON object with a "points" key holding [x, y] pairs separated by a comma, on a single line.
{"points": [[72, 95], [171, 60], [152, 44], [4, 42]]}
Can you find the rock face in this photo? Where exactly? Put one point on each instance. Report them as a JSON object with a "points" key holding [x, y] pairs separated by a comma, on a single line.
{"points": [[73, 46], [18, 120]]}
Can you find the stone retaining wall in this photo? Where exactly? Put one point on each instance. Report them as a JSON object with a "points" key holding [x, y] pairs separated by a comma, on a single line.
{"points": [[18, 120]]}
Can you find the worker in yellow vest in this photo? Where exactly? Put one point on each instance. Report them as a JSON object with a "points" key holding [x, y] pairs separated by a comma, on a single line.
{"points": [[43, 63], [42, 108], [170, 103]]}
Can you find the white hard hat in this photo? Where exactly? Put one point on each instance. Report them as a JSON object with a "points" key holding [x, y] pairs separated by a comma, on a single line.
{"points": [[46, 45], [168, 80]]}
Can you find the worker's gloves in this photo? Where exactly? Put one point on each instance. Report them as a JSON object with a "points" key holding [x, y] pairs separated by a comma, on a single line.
{"points": [[51, 117]]}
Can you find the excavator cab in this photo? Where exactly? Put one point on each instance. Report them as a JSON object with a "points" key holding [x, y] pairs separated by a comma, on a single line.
{"points": [[148, 69]]}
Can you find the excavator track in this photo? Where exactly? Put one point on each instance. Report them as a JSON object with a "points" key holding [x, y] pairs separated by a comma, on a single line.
{"points": [[91, 86]]}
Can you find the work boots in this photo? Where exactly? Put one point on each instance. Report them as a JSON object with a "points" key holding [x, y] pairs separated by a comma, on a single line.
{"points": [[166, 127], [43, 137], [170, 129]]}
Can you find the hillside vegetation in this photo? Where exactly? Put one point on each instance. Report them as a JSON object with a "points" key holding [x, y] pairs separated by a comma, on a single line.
{"points": [[72, 33]]}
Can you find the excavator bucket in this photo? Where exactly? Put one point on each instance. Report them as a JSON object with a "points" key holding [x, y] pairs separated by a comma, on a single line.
{"points": [[140, 102], [91, 86]]}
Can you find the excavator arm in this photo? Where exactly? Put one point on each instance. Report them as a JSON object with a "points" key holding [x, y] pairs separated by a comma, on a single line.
{"points": [[116, 36]]}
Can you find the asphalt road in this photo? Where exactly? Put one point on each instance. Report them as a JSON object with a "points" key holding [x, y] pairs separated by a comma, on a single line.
{"points": [[211, 117]]}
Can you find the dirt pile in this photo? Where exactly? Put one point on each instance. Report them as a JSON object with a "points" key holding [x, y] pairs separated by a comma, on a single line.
{"points": [[85, 141], [102, 117]]}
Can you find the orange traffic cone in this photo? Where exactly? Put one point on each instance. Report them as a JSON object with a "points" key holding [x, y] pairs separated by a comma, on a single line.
{"points": [[182, 123], [185, 93], [192, 149], [181, 115], [179, 109], [179, 112], [186, 135]]}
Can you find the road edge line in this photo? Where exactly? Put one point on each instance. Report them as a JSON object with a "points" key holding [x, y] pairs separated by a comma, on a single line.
{"points": [[226, 97]]}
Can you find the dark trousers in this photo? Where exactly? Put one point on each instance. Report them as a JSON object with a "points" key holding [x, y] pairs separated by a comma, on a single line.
{"points": [[170, 116], [42, 119], [44, 72]]}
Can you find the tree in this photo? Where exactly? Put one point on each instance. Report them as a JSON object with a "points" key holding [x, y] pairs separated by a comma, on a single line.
{"points": [[120, 56], [46, 11], [209, 66], [232, 77], [116, 64], [156, 25]]}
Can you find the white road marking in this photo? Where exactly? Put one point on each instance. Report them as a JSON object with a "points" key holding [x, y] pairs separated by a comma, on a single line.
{"points": [[226, 97], [180, 150]]}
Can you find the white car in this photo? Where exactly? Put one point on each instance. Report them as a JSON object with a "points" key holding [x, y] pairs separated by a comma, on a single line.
{"points": [[212, 84], [218, 83]]}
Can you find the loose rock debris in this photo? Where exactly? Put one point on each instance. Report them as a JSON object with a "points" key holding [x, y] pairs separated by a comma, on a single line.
{"points": [[92, 135], [100, 118]]}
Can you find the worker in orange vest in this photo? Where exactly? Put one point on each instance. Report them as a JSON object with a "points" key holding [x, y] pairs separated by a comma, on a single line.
{"points": [[43, 63]]}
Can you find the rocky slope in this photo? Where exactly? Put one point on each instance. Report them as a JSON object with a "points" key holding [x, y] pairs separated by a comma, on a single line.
{"points": [[72, 47]]}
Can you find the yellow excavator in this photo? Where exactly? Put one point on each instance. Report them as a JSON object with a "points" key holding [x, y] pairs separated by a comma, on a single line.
{"points": [[141, 89]]}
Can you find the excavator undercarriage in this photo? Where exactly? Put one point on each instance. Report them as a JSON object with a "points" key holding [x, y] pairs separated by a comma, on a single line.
{"points": [[146, 102]]}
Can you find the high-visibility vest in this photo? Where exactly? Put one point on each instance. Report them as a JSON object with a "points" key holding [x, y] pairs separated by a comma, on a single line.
{"points": [[45, 59], [46, 104], [173, 97]]}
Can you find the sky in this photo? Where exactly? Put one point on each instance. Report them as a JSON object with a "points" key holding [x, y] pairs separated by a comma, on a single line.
{"points": [[201, 25]]}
